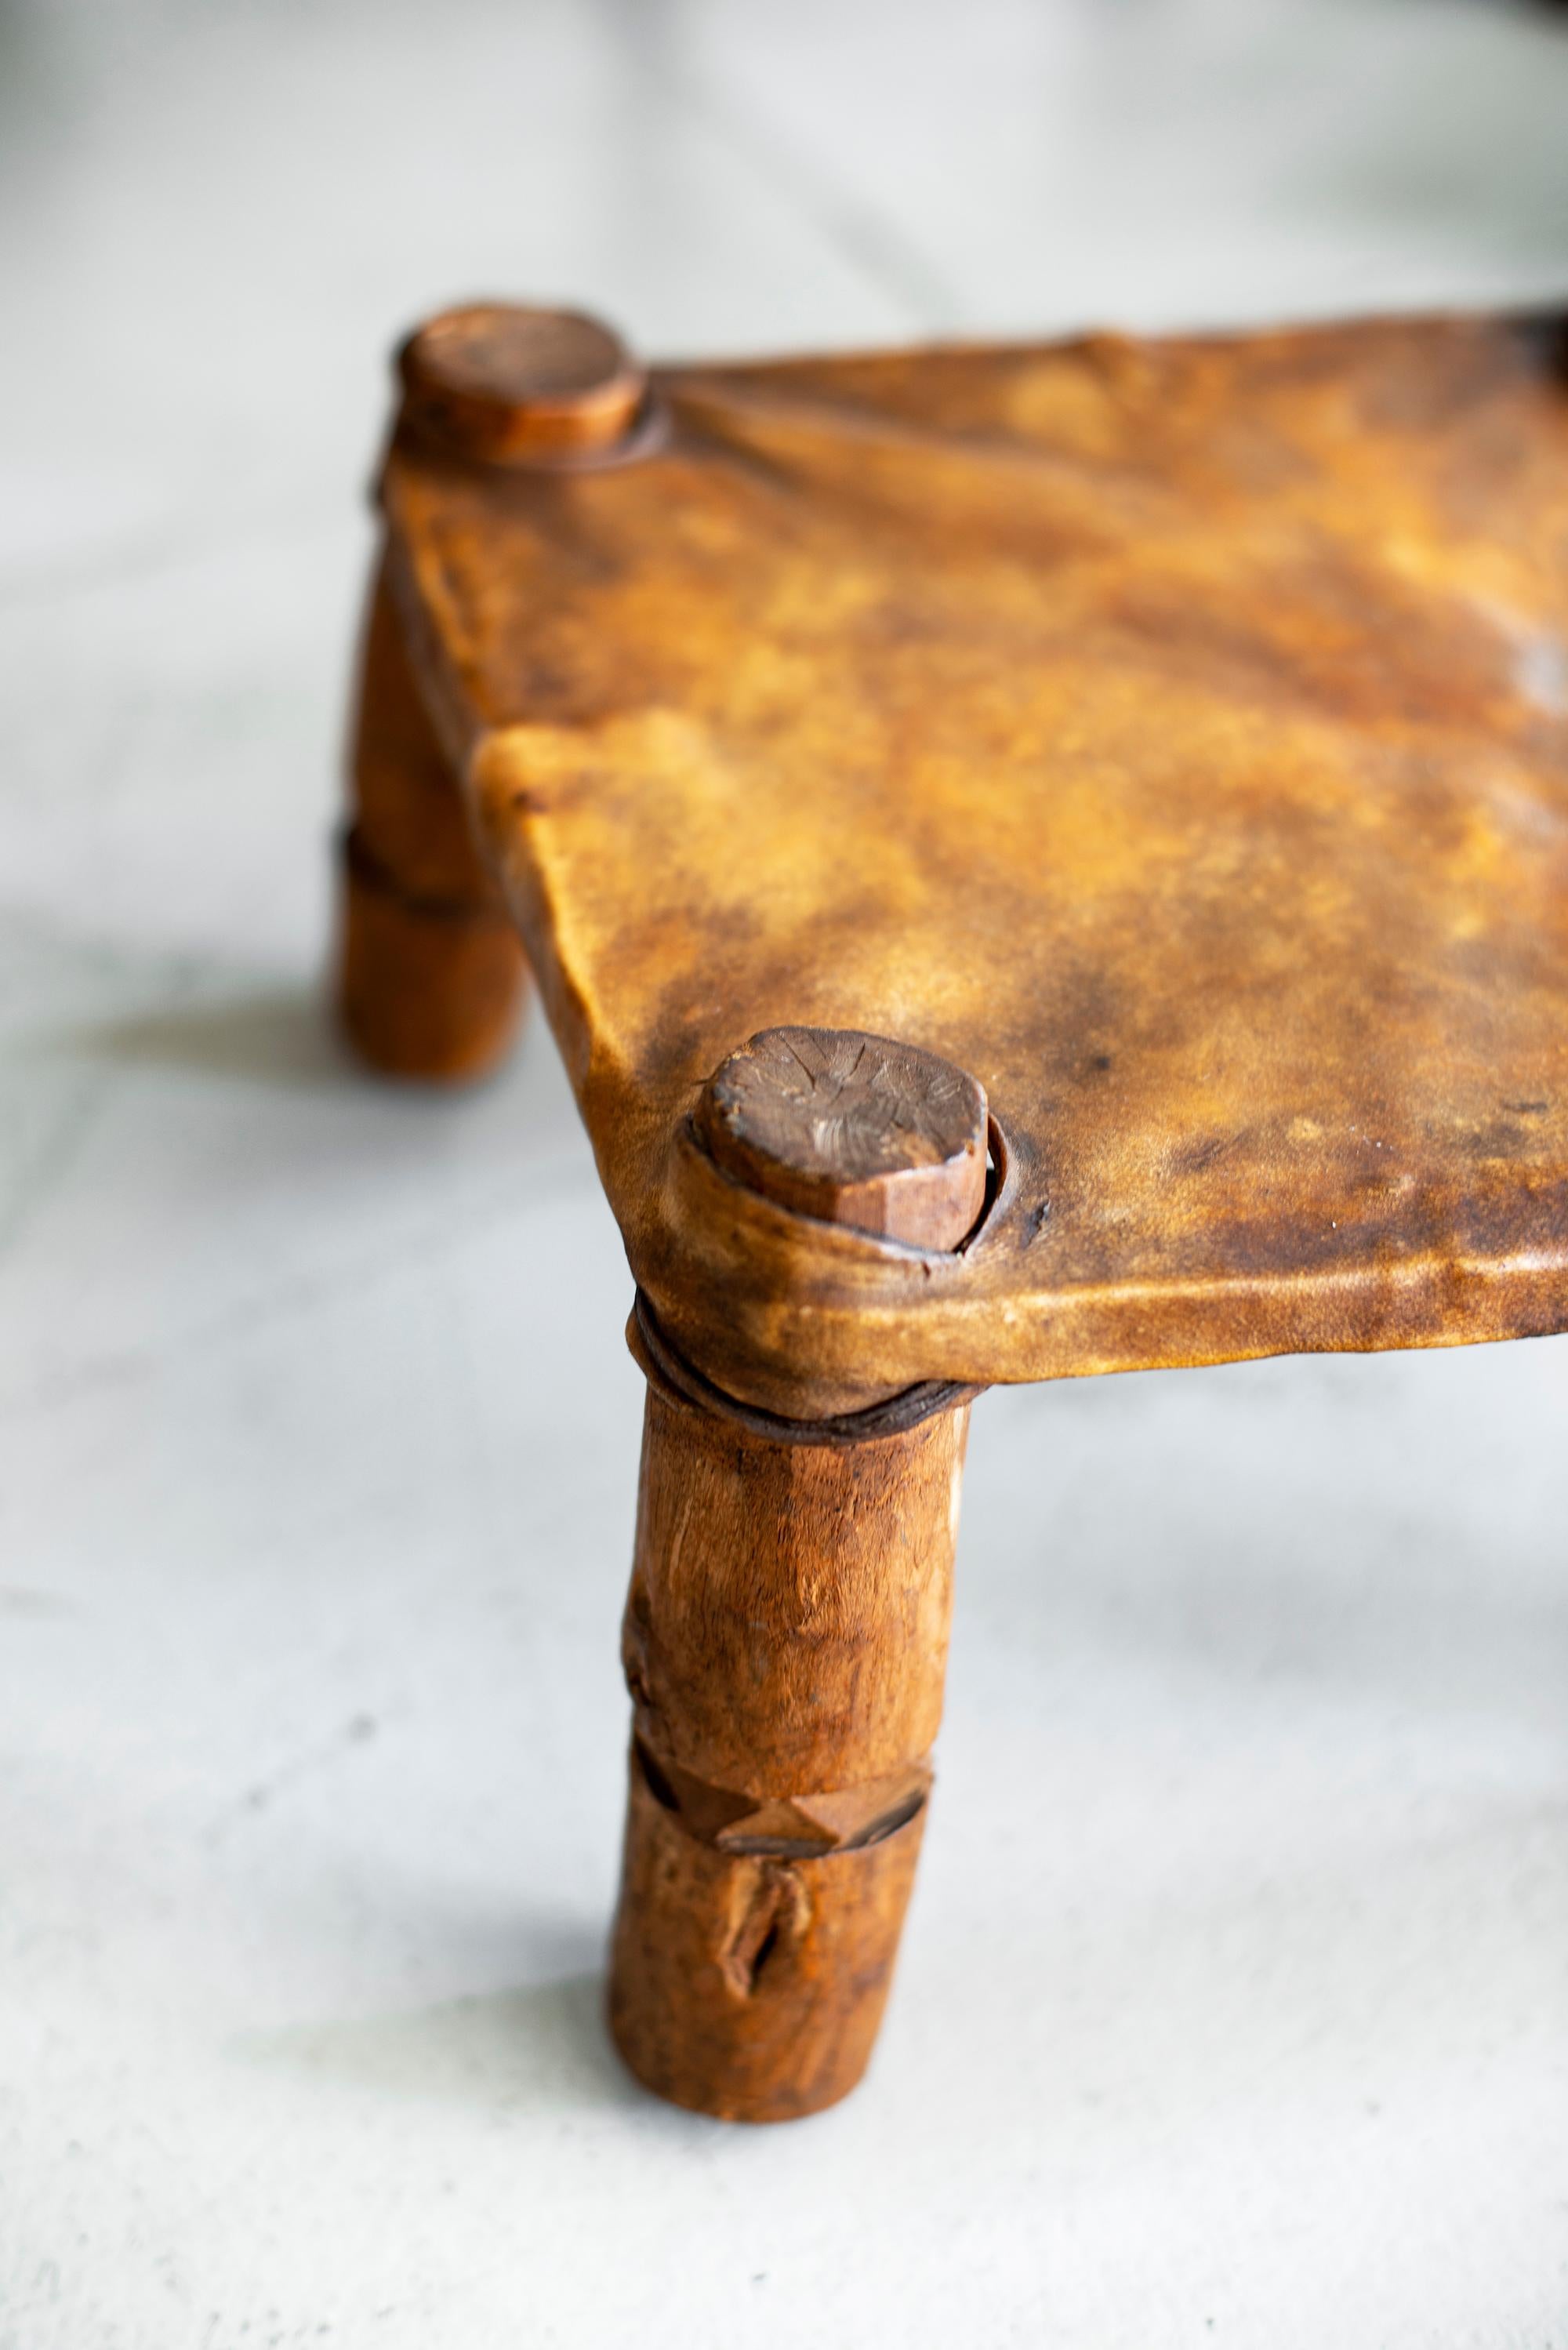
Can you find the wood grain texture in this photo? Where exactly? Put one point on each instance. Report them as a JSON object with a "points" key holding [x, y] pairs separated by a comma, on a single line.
{"points": [[431, 977], [785, 1645], [853, 1129], [1174, 734], [509, 384], [787, 1624], [748, 1988]]}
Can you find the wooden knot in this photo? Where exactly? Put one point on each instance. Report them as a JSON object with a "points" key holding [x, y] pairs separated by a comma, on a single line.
{"points": [[516, 386], [853, 1130]]}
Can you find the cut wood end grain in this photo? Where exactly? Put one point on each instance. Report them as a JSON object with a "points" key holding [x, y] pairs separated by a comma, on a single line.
{"points": [[852, 1129], [511, 384]]}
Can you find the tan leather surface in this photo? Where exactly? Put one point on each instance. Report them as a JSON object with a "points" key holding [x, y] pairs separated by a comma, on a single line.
{"points": [[1173, 734]]}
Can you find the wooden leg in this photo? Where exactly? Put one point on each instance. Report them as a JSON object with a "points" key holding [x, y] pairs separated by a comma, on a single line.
{"points": [[785, 1644], [431, 975]]}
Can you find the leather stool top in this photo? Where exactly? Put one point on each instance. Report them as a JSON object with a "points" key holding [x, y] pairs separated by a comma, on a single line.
{"points": [[1172, 735]]}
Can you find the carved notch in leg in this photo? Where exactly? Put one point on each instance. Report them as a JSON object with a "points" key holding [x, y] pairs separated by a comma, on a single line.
{"points": [[432, 978]]}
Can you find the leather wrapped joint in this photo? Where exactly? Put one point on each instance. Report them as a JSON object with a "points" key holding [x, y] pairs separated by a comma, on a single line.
{"points": [[660, 1359]]}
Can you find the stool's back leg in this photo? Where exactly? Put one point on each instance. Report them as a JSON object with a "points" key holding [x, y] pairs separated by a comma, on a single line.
{"points": [[431, 975]]}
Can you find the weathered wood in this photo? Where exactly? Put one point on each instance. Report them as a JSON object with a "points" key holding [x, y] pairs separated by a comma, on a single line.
{"points": [[751, 1989], [785, 1644], [853, 1130], [512, 385], [786, 1633], [432, 974]]}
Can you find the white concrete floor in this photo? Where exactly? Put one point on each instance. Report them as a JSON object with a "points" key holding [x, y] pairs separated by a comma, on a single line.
{"points": [[1233, 2004]]}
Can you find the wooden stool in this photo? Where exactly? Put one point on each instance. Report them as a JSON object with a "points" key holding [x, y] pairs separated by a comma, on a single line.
{"points": [[1039, 861]]}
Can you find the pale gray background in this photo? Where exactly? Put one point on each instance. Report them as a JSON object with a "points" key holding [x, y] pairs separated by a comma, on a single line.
{"points": [[1234, 2002]]}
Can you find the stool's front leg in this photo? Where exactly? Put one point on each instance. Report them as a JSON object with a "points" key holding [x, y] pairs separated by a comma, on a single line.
{"points": [[786, 1635], [785, 1644]]}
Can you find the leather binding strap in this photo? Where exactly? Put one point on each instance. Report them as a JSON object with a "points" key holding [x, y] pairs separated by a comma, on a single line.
{"points": [[657, 1354]]}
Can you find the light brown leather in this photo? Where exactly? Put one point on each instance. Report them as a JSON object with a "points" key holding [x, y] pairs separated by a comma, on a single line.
{"points": [[1175, 735]]}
